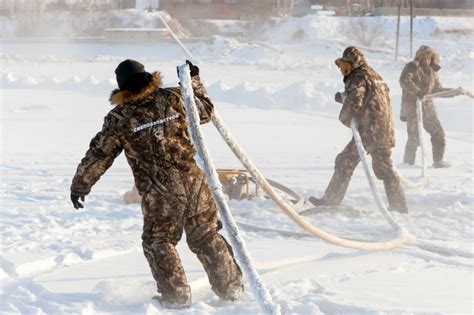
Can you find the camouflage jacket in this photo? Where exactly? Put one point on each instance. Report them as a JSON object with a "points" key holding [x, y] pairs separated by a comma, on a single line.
{"points": [[417, 80], [367, 99], [150, 127]]}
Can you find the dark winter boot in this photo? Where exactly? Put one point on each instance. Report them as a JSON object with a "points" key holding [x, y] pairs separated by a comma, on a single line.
{"points": [[338, 185], [395, 194], [179, 299], [318, 202], [234, 292], [168, 272], [438, 146], [410, 154], [345, 164], [441, 164], [217, 258]]}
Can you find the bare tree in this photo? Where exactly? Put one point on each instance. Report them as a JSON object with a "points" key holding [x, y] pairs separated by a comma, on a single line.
{"points": [[28, 14], [365, 33]]}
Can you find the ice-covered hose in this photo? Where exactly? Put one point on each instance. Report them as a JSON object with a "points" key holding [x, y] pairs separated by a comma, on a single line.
{"points": [[381, 205], [370, 177], [176, 38], [282, 203], [204, 160], [421, 181], [401, 239]]}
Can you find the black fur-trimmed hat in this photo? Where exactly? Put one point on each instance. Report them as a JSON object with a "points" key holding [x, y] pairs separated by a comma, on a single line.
{"points": [[131, 75]]}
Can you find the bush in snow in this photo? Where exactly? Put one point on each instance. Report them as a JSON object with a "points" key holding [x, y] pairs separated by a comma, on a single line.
{"points": [[365, 32]]}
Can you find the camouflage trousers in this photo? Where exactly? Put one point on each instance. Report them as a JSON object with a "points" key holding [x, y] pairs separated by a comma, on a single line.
{"points": [[347, 161], [161, 234], [433, 126]]}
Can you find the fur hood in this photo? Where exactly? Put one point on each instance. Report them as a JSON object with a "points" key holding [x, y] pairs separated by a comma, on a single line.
{"points": [[122, 97]]}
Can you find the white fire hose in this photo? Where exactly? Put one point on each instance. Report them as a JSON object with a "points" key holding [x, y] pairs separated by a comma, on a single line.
{"points": [[402, 238], [205, 163], [423, 179], [370, 177], [288, 209]]}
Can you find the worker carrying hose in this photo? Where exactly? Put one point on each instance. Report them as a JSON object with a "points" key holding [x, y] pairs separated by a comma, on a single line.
{"points": [[148, 123], [418, 79], [366, 99]]}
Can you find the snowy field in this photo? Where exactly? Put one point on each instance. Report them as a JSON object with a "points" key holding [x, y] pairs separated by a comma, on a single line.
{"points": [[278, 102]]}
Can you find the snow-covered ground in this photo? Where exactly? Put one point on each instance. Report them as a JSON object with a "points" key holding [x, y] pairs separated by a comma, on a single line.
{"points": [[278, 102]]}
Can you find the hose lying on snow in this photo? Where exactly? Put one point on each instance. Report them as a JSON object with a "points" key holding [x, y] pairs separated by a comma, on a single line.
{"points": [[403, 236], [260, 291], [441, 250], [401, 239], [285, 206]]}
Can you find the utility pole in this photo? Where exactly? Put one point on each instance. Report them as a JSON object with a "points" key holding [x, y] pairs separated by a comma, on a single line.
{"points": [[411, 28], [398, 29]]}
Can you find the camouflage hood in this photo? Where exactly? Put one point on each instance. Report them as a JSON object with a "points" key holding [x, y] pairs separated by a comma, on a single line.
{"points": [[353, 56], [120, 97]]}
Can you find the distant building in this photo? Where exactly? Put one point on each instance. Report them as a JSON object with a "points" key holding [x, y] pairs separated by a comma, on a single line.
{"points": [[218, 9]]}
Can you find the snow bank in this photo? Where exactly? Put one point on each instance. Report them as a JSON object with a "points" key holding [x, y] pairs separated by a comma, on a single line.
{"points": [[302, 95], [315, 27], [74, 83]]}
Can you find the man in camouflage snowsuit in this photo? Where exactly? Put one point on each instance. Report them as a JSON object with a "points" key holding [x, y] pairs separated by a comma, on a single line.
{"points": [[148, 123], [366, 98], [419, 78]]}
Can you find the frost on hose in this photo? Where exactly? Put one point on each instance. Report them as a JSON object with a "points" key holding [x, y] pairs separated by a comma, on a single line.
{"points": [[289, 209], [423, 179], [259, 290], [373, 187]]}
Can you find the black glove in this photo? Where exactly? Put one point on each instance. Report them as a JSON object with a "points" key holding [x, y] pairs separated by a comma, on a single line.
{"points": [[338, 97], [75, 201], [192, 68]]}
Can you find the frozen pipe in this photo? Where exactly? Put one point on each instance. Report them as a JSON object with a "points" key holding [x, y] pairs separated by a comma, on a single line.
{"points": [[401, 238], [204, 161]]}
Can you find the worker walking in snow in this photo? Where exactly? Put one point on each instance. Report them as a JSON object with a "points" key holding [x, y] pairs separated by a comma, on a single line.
{"points": [[418, 79], [366, 99], [148, 123]]}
